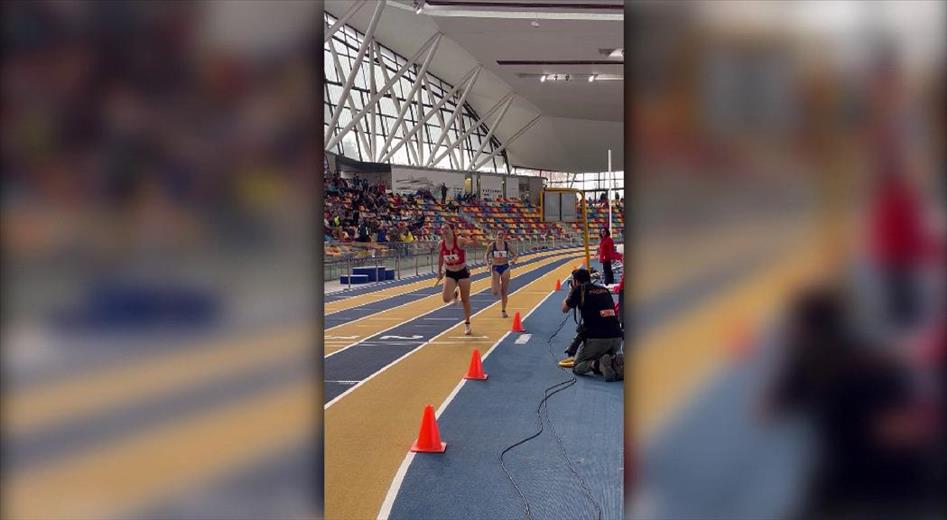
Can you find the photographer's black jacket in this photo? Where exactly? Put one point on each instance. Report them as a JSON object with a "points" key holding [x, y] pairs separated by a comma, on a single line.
{"points": [[597, 307]]}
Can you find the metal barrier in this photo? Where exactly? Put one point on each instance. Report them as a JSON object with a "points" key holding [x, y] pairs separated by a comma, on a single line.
{"points": [[422, 255]]}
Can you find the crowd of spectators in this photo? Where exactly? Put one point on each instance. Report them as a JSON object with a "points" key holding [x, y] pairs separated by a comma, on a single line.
{"points": [[95, 96], [359, 211]]}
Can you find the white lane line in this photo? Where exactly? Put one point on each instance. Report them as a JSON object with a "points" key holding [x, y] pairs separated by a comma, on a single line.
{"points": [[359, 342], [405, 355], [391, 343], [459, 342], [523, 339], [395, 487]]}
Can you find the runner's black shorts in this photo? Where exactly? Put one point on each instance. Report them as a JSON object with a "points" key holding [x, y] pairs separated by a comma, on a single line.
{"points": [[458, 275]]}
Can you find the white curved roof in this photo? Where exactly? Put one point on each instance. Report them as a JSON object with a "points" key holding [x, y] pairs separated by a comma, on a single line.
{"points": [[580, 120]]}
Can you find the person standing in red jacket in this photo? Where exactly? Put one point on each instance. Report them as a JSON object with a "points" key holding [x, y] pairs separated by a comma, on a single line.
{"points": [[898, 246], [606, 253]]}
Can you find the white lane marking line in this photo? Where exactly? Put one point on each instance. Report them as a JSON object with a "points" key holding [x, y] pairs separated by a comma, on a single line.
{"points": [[395, 486], [523, 339], [413, 336], [334, 352], [405, 355], [391, 344], [440, 319], [342, 382], [327, 338], [459, 342], [470, 337]]}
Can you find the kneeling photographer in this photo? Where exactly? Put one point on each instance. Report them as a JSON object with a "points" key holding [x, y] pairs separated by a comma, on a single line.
{"points": [[600, 352]]}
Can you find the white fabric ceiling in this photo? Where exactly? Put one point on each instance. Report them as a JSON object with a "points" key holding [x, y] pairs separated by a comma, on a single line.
{"points": [[581, 120]]}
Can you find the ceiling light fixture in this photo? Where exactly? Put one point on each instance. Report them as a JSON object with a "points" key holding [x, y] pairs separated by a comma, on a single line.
{"points": [[534, 23], [617, 53], [418, 6], [591, 78], [557, 77]]}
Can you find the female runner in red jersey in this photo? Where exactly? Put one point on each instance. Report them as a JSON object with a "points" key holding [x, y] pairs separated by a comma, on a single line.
{"points": [[452, 261]]}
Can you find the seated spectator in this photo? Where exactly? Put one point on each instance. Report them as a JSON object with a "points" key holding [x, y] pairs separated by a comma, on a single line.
{"points": [[363, 233]]}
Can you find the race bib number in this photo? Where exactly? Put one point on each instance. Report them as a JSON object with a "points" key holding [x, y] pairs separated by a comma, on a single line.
{"points": [[607, 313], [499, 254], [451, 259]]}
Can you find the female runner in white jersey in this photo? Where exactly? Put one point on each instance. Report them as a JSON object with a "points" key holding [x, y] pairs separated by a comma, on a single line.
{"points": [[500, 257]]}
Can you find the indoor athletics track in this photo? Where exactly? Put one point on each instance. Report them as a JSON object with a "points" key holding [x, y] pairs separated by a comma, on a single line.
{"points": [[158, 413]]}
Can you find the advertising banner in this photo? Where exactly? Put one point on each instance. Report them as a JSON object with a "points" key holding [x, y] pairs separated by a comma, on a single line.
{"points": [[513, 187], [569, 203], [491, 187], [410, 180], [551, 206]]}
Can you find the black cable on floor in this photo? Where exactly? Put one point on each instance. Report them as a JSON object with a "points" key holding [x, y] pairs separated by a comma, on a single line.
{"points": [[543, 418], [562, 449]]}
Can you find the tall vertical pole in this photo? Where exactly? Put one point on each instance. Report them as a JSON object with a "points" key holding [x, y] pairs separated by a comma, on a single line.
{"points": [[585, 220], [608, 192]]}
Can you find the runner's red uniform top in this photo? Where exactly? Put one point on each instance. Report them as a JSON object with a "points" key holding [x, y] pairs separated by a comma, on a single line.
{"points": [[453, 256]]}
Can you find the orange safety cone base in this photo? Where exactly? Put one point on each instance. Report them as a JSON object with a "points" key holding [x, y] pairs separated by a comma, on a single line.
{"points": [[416, 449], [477, 378]]}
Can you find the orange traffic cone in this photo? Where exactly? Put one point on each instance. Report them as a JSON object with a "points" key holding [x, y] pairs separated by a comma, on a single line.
{"points": [[429, 439], [741, 342], [517, 323], [558, 284], [476, 367]]}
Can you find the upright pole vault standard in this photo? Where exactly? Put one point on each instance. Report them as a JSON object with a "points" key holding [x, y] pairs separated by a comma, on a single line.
{"points": [[585, 232], [609, 193]]}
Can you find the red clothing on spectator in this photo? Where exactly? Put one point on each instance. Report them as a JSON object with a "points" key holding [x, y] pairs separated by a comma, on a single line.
{"points": [[897, 238], [606, 249]]}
